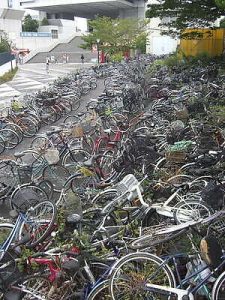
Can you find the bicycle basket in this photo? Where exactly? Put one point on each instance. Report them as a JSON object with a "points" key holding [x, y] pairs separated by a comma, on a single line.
{"points": [[176, 156], [25, 174], [52, 156], [127, 184], [77, 131]]}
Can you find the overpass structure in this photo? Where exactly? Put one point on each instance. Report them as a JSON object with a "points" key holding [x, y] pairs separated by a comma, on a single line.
{"points": [[67, 9]]}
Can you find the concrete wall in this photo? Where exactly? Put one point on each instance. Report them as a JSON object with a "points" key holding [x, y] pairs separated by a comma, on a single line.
{"points": [[7, 67], [33, 43], [159, 44], [138, 12]]}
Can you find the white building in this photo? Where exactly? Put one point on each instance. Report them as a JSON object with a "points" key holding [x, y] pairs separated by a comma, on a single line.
{"points": [[159, 44], [10, 19], [67, 9]]}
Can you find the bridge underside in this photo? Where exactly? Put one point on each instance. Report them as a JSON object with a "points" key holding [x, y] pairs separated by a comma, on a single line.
{"points": [[85, 9]]}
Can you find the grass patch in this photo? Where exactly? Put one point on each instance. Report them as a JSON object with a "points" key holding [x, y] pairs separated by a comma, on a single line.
{"points": [[8, 75]]}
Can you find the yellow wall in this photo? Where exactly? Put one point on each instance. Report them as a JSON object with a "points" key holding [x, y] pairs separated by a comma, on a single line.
{"points": [[212, 44]]}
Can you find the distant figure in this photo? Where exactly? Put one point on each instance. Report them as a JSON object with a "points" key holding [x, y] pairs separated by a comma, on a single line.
{"points": [[67, 58], [64, 58], [82, 58], [47, 64], [21, 58]]}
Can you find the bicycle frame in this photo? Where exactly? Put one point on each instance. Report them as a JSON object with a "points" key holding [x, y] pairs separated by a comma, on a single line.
{"points": [[21, 219], [179, 290]]}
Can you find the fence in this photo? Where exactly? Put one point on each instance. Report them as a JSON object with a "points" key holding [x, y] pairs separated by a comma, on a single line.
{"points": [[210, 42], [6, 57]]}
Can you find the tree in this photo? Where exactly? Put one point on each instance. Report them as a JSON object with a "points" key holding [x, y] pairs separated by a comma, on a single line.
{"points": [[177, 15], [4, 43], [115, 35], [220, 3], [44, 22], [30, 24]]}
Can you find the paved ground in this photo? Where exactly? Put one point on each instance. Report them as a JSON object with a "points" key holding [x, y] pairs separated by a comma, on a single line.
{"points": [[38, 79], [33, 77]]}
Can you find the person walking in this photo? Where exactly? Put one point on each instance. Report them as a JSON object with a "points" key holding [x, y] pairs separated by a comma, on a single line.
{"points": [[82, 58], [47, 64]]}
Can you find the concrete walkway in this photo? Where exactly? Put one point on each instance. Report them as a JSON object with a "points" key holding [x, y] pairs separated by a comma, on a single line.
{"points": [[33, 77]]}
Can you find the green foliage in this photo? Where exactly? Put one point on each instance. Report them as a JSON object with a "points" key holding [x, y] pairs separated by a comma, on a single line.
{"points": [[29, 24], [8, 75], [4, 45], [222, 23], [176, 15], [44, 22], [220, 3], [117, 57], [141, 42], [115, 35]]}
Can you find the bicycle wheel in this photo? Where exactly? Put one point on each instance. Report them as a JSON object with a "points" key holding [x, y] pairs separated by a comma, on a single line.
{"points": [[101, 291], [218, 291], [28, 126], [74, 158], [101, 199], [2, 145], [191, 210], [15, 128], [8, 269], [47, 187], [34, 288], [27, 195], [106, 164], [41, 142], [132, 272], [10, 137], [82, 184], [57, 175], [40, 223]]}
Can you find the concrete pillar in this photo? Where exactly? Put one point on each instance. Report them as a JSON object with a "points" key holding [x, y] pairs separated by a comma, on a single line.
{"points": [[137, 12]]}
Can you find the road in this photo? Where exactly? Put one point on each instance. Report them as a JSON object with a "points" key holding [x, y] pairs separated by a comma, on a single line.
{"points": [[33, 77]]}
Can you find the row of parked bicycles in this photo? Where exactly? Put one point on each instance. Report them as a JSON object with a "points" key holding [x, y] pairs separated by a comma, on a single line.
{"points": [[25, 118], [122, 200]]}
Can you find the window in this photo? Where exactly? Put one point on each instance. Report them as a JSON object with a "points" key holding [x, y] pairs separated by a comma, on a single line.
{"points": [[54, 34], [10, 3]]}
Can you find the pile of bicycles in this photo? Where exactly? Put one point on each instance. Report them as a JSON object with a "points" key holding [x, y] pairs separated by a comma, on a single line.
{"points": [[125, 199]]}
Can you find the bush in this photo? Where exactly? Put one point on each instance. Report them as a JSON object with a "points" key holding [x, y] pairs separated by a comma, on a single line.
{"points": [[117, 57], [8, 76]]}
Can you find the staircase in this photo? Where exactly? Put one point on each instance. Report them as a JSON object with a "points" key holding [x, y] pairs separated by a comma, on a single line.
{"points": [[72, 49]]}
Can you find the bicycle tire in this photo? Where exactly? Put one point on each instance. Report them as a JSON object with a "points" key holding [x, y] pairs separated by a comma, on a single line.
{"points": [[29, 127], [27, 189], [10, 137], [57, 175], [101, 291], [152, 240], [72, 119], [102, 198], [39, 231], [2, 145], [142, 267], [218, 290], [182, 214], [74, 158], [41, 142], [15, 128]]}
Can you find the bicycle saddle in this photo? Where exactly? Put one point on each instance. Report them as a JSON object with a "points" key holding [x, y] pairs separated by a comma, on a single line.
{"points": [[19, 154], [90, 161], [73, 218]]}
